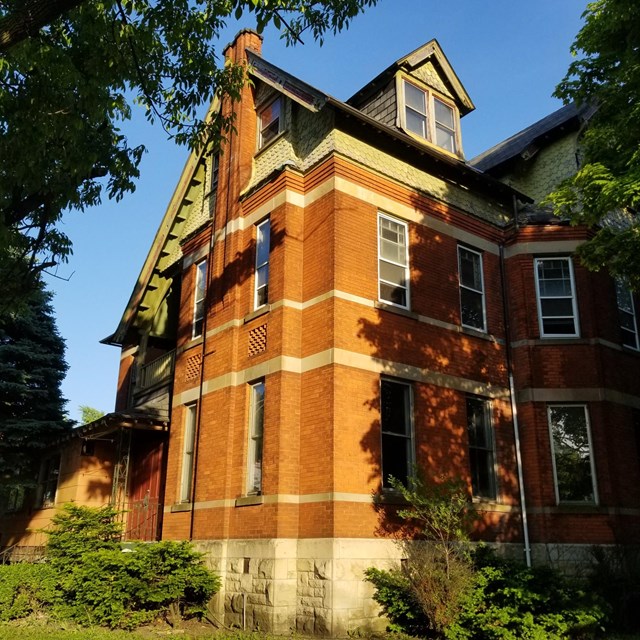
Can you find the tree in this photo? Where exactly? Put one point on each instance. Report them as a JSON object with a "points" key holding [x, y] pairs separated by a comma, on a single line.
{"points": [[605, 192], [69, 73], [89, 414], [32, 367]]}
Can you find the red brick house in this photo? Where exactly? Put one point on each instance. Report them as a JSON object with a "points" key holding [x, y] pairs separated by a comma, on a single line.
{"points": [[336, 295]]}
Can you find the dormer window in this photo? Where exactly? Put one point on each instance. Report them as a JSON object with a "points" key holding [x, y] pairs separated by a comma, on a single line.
{"points": [[425, 115], [269, 122]]}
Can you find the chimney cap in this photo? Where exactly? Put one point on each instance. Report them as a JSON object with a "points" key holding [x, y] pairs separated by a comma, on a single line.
{"points": [[242, 32]]}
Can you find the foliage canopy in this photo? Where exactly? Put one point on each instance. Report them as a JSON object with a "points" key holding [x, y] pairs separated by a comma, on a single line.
{"points": [[606, 189], [66, 89]]}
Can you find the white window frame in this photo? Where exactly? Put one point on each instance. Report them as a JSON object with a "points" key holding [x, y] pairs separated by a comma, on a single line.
{"points": [[255, 437], [263, 236], [466, 287], [430, 122], [573, 297], [487, 411], [592, 468], [263, 126], [188, 452], [199, 296], [408, 435], [407, 271], [629, 311]]}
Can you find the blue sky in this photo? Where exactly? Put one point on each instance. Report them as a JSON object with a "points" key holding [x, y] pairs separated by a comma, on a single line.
{"points": [[509, 55]]}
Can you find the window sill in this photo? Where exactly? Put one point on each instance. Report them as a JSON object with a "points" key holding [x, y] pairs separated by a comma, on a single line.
{"points": [[271, 142], [561, 340], [577, 507], [389, 496], [257, 313], [181, 507], [401, 311], [249, 501]]}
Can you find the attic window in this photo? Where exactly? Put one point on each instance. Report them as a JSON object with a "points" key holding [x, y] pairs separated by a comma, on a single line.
{"points": [[270, 122], [424, 115]]}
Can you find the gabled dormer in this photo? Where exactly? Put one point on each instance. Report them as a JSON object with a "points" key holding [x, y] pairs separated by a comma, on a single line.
{"points": [[421, 95]]}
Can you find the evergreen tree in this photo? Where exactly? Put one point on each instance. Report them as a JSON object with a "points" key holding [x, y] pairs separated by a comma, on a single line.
{"points": [[32, 367]]}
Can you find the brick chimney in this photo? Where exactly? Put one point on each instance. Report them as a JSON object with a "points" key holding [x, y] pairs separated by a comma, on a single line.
{"points": [[245, 39]]}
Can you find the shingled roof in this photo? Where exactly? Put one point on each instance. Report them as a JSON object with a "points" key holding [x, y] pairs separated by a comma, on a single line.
{"points": [[526, 142]]}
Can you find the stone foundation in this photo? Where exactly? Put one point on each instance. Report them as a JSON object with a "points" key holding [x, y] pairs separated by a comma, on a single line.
{"points": [[317, 587], [311, 586]]}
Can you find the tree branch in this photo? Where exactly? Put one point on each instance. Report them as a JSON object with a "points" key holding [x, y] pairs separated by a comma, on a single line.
{"points": [[26, 20]]}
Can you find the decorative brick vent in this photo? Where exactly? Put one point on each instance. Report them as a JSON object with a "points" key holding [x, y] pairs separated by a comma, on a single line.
{"points": [[193, 367], [257, 340]]}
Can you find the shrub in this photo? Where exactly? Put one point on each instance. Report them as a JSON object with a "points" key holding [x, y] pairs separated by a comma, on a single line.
{"points": [[99, 583], [393, 593], [615, 576], [507, 601], [24, 589], [438, 569], [78, 530], [510, 601], [443, 590]]}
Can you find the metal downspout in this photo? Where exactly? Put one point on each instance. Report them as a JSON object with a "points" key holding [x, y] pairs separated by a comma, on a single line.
{"points": [[514, 407]]}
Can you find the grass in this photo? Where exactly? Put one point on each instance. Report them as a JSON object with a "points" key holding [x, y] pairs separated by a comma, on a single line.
{"points": [[42, 629]]}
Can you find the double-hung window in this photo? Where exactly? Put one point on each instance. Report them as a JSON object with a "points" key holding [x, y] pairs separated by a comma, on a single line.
{"points": [[198, 298], [557, 308], [572, 454], [472, 303], [261, 279], [256, 431], [188, 449], [269, 122], [627, 315], [427, 116], [393, 261], [481, 448], [397, 430]]}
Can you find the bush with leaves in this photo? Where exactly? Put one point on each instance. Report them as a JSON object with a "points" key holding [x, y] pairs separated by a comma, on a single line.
{"points": [[511, 601], [24, 589], [446, 590], [438, 567], [99, 583], [615, 577]]}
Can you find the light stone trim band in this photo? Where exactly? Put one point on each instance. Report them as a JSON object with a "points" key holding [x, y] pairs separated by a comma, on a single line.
{"points": [[542, 247], [342, 185], [365, 302], [195, 256], [596, 394], [131, 351], [330, 496], [345, 358]]}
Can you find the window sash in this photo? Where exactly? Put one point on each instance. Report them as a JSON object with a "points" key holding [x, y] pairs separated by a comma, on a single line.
{"points": [[396, 431], [256, 434], [393, 261], [473, 313], [481, 449], [572, 454], [555, 290], [48, 481], [188, 450], [270, 121], [199, 294], [627, 315], [429, 117], [261, 275]]}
